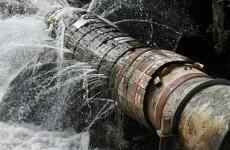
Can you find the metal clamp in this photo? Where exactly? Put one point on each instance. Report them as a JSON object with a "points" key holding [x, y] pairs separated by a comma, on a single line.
{"points": [[195, 65], [168, 91], [124, 39], [85, 19], [138, 80], [88, 18], [61, 13], [166, 142]]}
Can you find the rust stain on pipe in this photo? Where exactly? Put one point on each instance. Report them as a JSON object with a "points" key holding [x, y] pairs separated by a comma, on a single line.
{"points": [[138, 80]]}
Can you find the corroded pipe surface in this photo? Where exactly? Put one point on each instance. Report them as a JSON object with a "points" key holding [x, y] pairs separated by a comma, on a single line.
{"points": [[150, 83]]}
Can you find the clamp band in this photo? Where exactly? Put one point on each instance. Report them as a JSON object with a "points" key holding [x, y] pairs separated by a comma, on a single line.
{"points": [[168, 91], [138, 80]]}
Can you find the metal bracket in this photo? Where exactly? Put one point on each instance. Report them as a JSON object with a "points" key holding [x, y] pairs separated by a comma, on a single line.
{"points": [[124, 39], [85, 19], [88, 18], [166, 142], [63, 13]]}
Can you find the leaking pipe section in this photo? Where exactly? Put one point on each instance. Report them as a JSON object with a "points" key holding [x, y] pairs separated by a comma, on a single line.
{"points": [[150, 83]]}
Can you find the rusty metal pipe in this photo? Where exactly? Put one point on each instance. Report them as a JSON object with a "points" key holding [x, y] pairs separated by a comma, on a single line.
{"points": [[149, 83]]}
